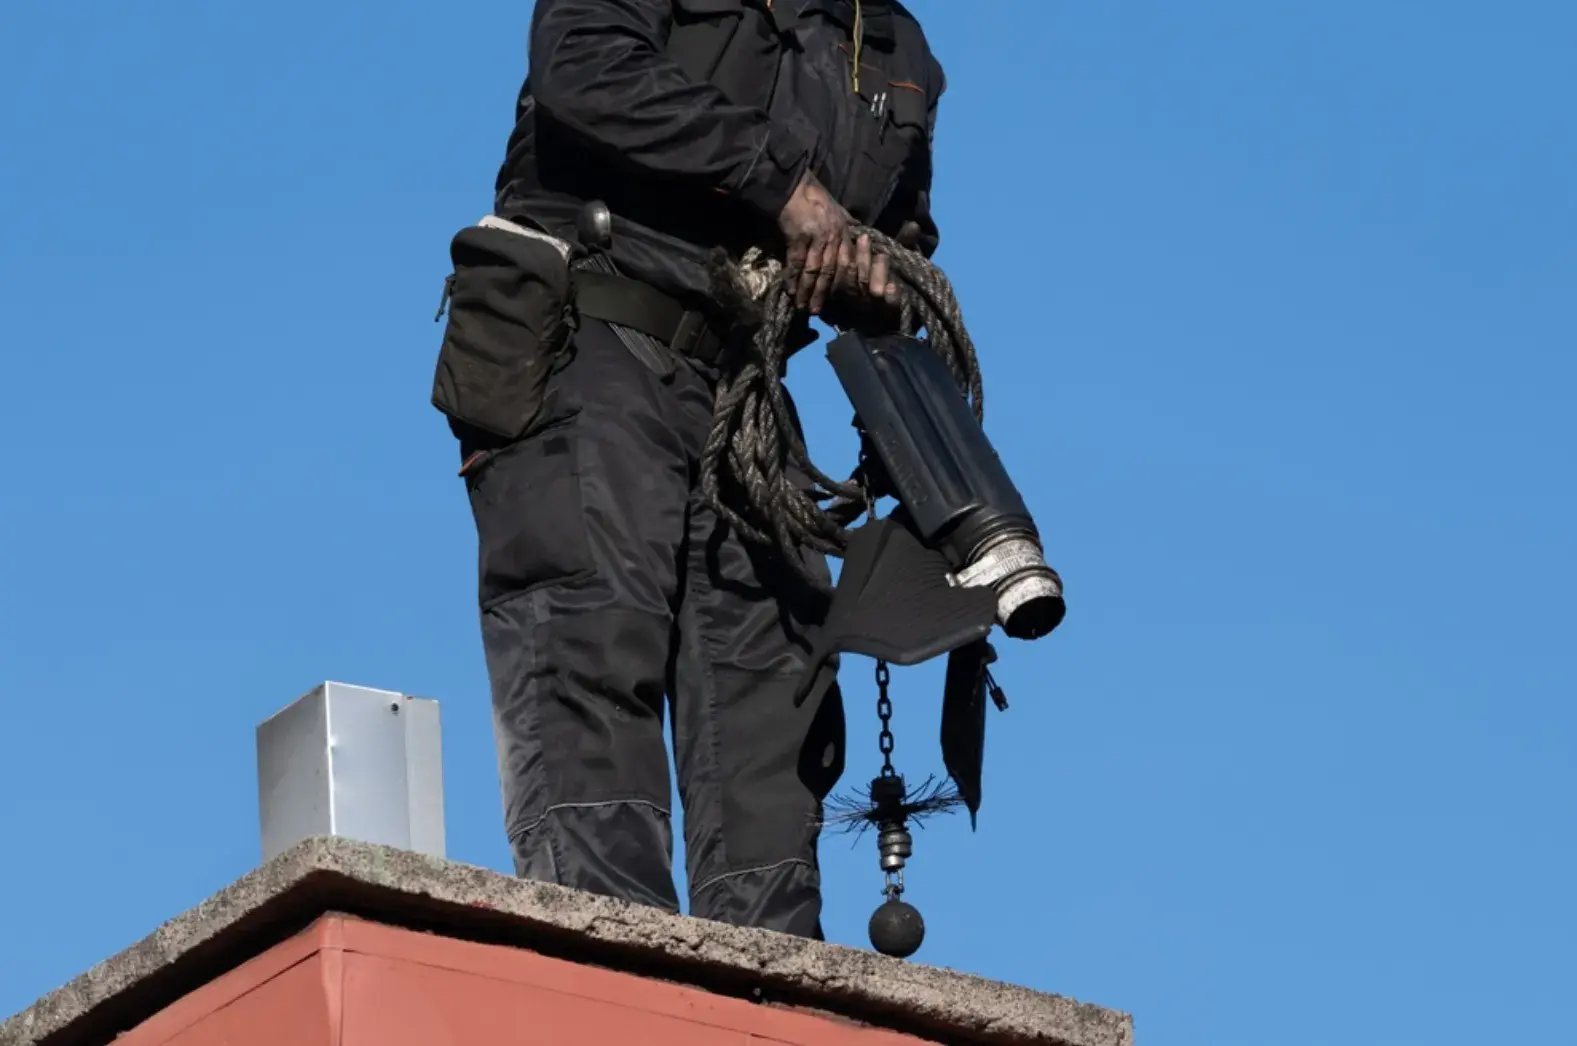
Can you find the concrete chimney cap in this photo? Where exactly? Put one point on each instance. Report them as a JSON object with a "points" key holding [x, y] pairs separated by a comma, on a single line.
{"points": [[399, 888]]}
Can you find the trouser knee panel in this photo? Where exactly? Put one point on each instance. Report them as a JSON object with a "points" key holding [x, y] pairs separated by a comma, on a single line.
{"points": [[577, 704]]}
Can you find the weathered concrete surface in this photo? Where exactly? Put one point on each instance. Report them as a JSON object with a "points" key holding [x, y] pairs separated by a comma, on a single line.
{"points": [[456, 900]]}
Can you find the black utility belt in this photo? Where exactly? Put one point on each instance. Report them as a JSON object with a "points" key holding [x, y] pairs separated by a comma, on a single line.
{"points": [[642, 307]]}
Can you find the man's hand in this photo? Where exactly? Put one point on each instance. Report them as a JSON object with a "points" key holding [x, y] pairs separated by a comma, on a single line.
{"points": [[824, 259], [868, 296], [866, 279], [816, 227]]}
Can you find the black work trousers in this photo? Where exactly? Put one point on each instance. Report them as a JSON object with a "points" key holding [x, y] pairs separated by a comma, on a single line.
{"points": [[609, 592]]}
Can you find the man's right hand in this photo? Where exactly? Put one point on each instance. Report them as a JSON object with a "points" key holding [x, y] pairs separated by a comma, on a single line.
{"points": [[816, 227]]}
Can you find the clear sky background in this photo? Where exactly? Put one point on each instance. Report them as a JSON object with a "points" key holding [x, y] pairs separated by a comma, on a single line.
{"points": [[1277, 306]]}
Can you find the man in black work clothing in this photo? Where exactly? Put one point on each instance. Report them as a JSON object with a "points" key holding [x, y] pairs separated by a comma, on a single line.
{"points": [[606, 584]]}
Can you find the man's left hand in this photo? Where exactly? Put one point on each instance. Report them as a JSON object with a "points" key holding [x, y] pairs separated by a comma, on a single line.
{"points": [[868, 283], [867, 296], [866, 302]]}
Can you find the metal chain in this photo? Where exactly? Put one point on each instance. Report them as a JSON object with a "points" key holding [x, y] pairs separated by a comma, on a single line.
{"points": [[884, 709]]}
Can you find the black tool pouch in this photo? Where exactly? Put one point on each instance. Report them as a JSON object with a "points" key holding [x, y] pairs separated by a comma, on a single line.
{"points": [[510, 317]]}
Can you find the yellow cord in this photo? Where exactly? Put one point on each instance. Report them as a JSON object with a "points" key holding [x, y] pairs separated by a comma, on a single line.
{"points": [[859, 38]]}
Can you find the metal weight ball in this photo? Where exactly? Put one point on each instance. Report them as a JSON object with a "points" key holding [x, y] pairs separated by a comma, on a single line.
{"points": [[896, 929]]}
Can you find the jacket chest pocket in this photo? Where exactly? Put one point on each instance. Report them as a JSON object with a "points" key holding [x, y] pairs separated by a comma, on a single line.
{"points": [[729, 44], [891, 137]]}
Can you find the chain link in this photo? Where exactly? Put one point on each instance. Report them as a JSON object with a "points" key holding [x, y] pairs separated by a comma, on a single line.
{"points": [[894, 888], [884, 709]]}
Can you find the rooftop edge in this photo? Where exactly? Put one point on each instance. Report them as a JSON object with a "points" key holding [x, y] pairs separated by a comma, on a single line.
{"points": [[407, 889]]}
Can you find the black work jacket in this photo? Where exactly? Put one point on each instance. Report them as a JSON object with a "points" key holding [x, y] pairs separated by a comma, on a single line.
{"points": [[694, 119]]}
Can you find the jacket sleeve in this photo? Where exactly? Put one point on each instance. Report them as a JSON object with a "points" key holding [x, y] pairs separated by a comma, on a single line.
{"points": [[599, 69]]}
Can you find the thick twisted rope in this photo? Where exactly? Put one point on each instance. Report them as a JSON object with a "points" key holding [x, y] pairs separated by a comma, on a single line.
{"points": [[754, 443]]}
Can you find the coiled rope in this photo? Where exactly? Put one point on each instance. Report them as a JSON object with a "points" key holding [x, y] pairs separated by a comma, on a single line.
{"points": [[754, 444]]}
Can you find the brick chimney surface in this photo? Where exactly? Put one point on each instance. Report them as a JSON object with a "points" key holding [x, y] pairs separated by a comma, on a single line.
{"points": [[353, 933]]}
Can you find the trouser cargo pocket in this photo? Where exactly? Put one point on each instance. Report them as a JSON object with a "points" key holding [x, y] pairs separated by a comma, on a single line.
{"points": [[529, 512]]}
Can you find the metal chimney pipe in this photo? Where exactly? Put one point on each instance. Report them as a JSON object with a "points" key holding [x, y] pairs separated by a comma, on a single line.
{"points": [[355, 762]]}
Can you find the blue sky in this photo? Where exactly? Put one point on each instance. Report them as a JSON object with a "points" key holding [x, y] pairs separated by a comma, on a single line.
{"points": [[1277, 307]]}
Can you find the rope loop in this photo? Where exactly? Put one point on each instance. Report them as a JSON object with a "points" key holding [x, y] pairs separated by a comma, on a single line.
{"points": [[754, 444]]}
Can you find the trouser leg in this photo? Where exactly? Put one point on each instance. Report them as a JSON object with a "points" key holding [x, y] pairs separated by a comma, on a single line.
{"points": [[753, 769], [579, 527]]}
